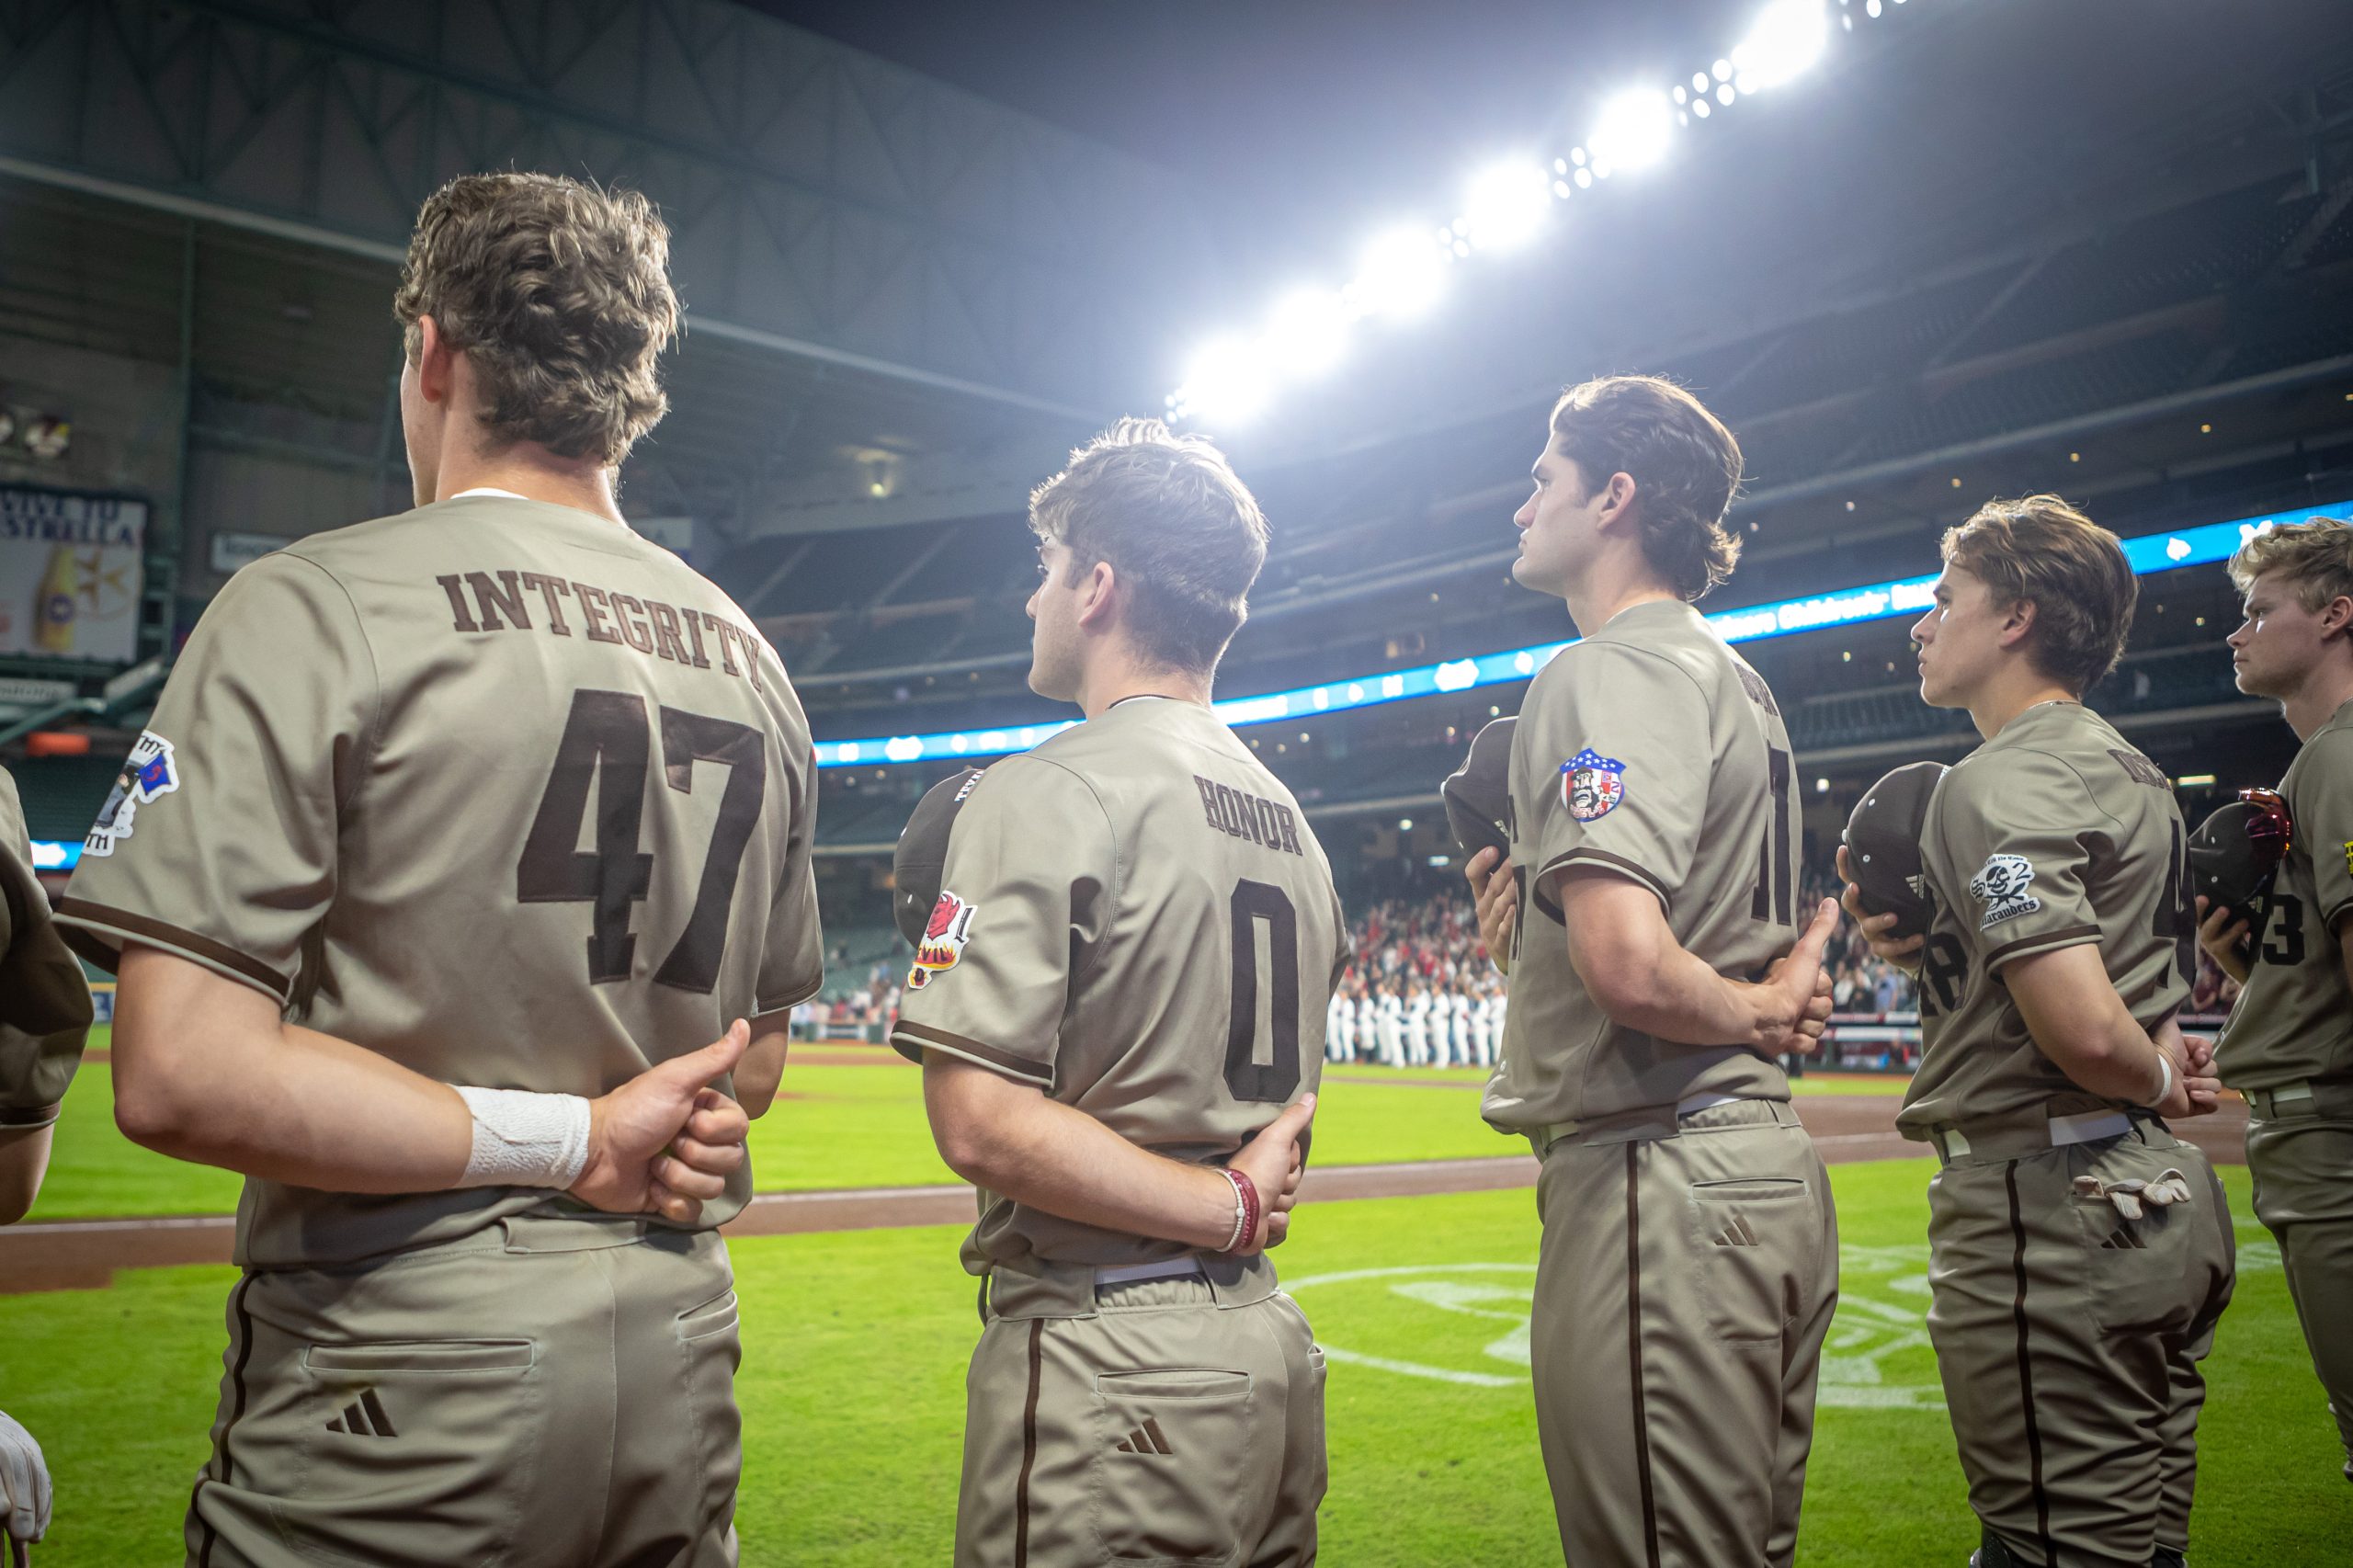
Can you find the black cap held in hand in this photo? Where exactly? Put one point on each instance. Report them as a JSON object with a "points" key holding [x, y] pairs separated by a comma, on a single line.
{"points": [[1883, 842], [921, 860], [1478, 794], [2235, 851]]}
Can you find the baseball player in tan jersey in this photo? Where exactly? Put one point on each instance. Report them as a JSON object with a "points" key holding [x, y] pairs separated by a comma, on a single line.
{"points": [[1649, 921], [44, 1015], [353, 863], [2289, 1045], [1120, 1018], [44, 1020], [2079, 1254]]}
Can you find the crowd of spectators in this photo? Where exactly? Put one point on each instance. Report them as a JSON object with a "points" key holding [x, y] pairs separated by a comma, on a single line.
{"points": [[1420, 991], [1859, 983]]}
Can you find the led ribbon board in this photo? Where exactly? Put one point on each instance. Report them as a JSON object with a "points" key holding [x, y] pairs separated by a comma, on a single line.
{"points": [[1848, 607]]}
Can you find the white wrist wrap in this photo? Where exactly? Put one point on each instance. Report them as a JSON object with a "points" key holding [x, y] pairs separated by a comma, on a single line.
{"points": [[2165, 1083], [525, 1139]]}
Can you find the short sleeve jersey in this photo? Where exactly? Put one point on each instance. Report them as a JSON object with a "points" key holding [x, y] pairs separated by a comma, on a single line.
{"points": [[1653, 751], [44, 1002], [494, 788], [2294, 1019], [1136, 921], [2054, 833]]}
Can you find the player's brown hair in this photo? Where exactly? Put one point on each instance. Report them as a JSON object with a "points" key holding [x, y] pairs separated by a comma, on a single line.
{"points": [[1180, 529], [2041, 550], [1684, 463], [559, 293], [2316, 556]]}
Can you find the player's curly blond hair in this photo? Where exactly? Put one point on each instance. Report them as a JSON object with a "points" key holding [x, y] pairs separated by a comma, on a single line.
{"points": [[1684, 463], [2075, 571], [1175, 521], [2314, 556], [559, 293]]}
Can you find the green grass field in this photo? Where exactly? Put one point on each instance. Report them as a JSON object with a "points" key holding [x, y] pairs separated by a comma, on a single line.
{"points": [[847, 1126], [852, 1388]]}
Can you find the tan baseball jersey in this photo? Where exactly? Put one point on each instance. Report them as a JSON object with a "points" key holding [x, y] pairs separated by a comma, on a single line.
{"points": [[494, 788], [1649, 749], [1135, 919], [2053, 834], [44, 1002], [2294, 1020]]}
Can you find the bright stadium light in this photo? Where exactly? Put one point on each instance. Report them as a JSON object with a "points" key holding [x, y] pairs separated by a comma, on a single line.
{"points": [[1400, 275], [1788, 39], [1307, 333], [1507, 206], [1228, 380], [1635, 130]]}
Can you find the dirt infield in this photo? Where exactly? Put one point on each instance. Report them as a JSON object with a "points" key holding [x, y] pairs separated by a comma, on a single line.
{"points": [[81, 1253]]}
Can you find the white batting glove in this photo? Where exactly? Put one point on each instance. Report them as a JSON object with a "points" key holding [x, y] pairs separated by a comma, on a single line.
{"points": [[23, 1484]]}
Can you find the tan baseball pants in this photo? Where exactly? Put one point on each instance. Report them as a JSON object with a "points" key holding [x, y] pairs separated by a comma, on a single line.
{"points": [[1167, 1421], [2302, 1159], [550, 1394], [2068, 1337], [1688, 1272]]}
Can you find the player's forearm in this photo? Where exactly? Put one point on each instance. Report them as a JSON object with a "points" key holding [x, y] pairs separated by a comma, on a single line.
{"points": [[758, 1075], [206, 1072], [24, 1158], [1019, 1144], [1677, 998], [2078, 1021]]}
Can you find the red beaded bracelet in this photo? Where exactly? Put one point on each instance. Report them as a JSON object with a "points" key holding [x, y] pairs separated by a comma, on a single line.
{"points": [[1246, 1192]]}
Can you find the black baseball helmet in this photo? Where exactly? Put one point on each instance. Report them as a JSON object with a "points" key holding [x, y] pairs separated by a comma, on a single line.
{"points": [[1478, 794], [921, 860], [2235, 852], [1883, 842]]}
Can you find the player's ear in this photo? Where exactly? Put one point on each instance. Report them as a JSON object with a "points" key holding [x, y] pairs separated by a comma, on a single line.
{"points": [[2018, 623], [1098, 595], [1620, 496], [2337, 616], [435, 360]]}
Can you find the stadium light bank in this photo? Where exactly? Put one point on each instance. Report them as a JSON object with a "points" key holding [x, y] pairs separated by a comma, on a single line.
{"points": [[1403, 273]]}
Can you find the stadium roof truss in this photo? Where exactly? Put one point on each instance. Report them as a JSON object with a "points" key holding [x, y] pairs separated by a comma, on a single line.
{"points": [[870, 259]]}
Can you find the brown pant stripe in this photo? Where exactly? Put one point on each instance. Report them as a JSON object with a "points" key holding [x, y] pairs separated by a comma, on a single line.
{"points": [[244, 1332], [1634, 1354], [2026, 1368], [1029, 1445]]}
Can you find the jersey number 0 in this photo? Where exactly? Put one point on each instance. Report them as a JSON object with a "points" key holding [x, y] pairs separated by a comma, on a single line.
{"points": [[607, 739], [1248, 1078]]}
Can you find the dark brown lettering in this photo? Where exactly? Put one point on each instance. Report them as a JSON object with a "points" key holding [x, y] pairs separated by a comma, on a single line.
{"points": [[490, 598], [1209, 801], [593, 610], [634, 629], [666, 633], [462, 617], [549, 587], [694, 634], [724, 634], [1290, 822], [1238, 811]]}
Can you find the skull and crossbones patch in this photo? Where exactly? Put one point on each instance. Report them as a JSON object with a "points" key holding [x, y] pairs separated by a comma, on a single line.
{"points": [[2000, 885]]}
